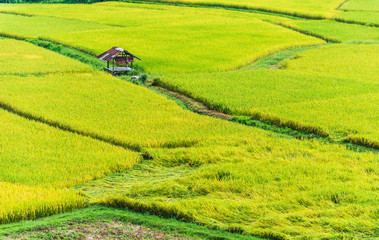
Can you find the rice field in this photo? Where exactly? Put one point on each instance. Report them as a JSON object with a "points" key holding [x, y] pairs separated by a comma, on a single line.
{"points": [[307, 91], [55, 165], [264, 186], [17, 57], [358, 16], [175, 43], [40, 25], [19, 202], [39, 163], [361, 5], [117, 111], [358, 62], [72, 136], [311, 8], [336, 31], [361, 11]]}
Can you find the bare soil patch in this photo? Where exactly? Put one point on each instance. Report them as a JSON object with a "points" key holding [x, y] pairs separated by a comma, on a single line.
{"points": [[97, 230]]}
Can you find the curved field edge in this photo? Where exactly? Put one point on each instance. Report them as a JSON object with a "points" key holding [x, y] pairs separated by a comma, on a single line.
{"points": [[292, 13], [333, 85], [269, 61], [334, 31], [266, 117], [289, 14], [337, 16], [263, 117], [40, 164], [215, 185], [241, 52], [282, 13], [104, 214], [237, 229]]}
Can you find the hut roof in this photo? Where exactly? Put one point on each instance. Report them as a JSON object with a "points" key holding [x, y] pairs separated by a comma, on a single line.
{"points": [[114, 52]]}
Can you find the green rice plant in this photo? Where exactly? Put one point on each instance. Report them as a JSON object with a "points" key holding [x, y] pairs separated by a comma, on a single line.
{"points": [[209, 171], [21, 202], [360, 11], [307, 9], [335, 31], [361, 5], [358, 62], [254, 184], [38, 25], [368, 18], [36, 154], [185, 40], [18, 57], [201, 52], [98, 105], [345, 118], [308, 102], [39, 163]]}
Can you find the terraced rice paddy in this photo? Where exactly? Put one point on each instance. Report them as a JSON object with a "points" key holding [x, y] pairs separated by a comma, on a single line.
{"points": [[23, 58], [72, 136], [311, 8], [362, 11], [175, 43], [336, 31], [361, 17], [308, 91], [40, 25], [39, 162], [361, 5], [117, 111], [267, 187]]}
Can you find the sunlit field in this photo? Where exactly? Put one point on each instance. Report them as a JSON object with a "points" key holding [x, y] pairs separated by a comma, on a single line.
{"points": [[18, 57], [363, 17], [337, 31], [99, 105], [269, 187], [308, 90], [361, 5], [39, 162], [175, 43], [19, 202], [358, 62], [304, 75]]}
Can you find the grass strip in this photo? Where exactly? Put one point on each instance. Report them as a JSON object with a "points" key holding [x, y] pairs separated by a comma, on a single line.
{"points": [[103, 213], [274, 60]]}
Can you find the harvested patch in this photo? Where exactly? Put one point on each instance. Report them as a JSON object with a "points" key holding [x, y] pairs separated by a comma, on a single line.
{"points": [[97, 230]]}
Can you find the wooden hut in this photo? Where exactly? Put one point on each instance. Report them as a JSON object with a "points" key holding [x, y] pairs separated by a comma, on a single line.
{"points": [[120, 57]]}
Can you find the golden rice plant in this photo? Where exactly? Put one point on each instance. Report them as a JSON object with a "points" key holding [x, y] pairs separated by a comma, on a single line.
{"points": [[19, 57], [22, 202], [199, 39]]}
